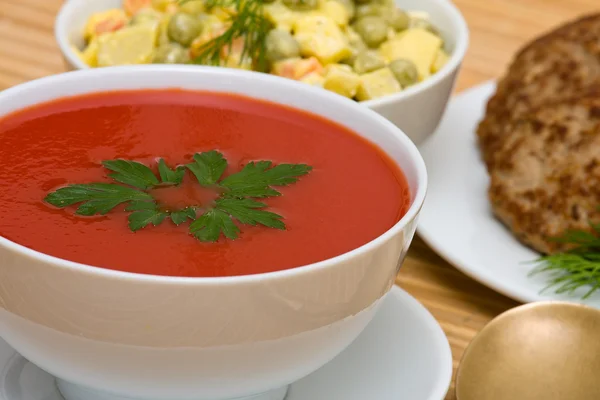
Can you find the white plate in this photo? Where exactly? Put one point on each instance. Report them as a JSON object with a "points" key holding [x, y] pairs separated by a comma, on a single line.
{"points": [[402, 355], [456, 220]]}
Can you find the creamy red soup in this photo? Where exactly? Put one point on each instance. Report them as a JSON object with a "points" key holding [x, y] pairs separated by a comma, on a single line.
{"points": [[353, 194]]}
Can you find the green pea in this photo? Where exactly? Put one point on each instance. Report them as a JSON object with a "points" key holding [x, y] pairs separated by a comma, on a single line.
{"points": [[281, 44], [184, 28], [145, 15], [405, 72], [372, 29], [171, 53], [397, 19], [355, 40], [369, 9], [367, 61], [356, 45], [301, 5], [193, 7], [349, 6]]}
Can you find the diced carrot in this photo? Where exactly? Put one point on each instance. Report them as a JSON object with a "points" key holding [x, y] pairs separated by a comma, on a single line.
{"points": [[285, 68], [306, 67], [236, 48], [287, 71], [171, 8], [296, 68], [133, 6], [104, 22], [109, 25], [232, 56]]}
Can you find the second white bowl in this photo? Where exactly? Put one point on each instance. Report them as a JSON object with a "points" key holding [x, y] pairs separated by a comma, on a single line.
{"points": [[416, 110]]}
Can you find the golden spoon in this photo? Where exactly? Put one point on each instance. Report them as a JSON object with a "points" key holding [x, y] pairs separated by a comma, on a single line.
{"points": [[538, 351]]}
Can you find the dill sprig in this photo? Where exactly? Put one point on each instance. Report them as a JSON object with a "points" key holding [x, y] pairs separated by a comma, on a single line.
{"points": [[577, 267], [247, 22]]}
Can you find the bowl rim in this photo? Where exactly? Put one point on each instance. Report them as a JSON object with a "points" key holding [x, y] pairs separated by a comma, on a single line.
{"points": [[461, 44], [334, 100]]}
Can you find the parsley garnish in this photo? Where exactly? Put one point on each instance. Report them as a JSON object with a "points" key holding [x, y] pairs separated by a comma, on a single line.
{"points": [[236, 201]]}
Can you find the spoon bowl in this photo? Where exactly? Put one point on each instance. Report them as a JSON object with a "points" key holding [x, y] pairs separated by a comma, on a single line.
{"points": [[544, 350]]}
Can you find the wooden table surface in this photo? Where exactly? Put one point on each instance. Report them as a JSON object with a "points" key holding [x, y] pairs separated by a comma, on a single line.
{"points": [[498, 29]]}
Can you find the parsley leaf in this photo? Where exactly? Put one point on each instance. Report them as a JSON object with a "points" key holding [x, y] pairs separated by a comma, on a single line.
{"points": [[168, 175], [131, 173], [247, 211], [143, 218], [209, 226], [208, 167], [142, 205], [179, 217], [257, 177], [97, 198], [219, 220]]}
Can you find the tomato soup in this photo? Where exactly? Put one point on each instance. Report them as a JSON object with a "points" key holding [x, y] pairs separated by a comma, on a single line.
{"points": [[353, 193]]}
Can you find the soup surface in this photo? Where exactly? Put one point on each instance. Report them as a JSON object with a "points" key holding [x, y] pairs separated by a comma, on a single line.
{"points": [[353, 194]]}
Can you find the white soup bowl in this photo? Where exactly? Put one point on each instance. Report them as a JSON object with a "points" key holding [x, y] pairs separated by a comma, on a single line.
{"points": [[114, 335]]}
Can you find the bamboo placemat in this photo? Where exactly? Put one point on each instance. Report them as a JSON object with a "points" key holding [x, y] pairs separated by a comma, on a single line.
{"points": [[498, 29]]}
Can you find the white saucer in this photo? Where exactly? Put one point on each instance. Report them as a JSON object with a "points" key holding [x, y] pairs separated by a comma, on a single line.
{"points": [[402, 354], [456, 220]]}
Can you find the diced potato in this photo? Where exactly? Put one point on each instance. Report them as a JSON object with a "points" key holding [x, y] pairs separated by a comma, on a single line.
{"points": [[441, 58], [297, 68], [314, 22], [417, 45], [90, 53], [224, 14], [319, 36], [279, 15], [336, 67], [377, 84], [164, 5], [336, 11], [147, 15], [416, 14], [341, 80], [193, 7], [235, 61], [78, 53], [131, 45], [133, 6], [104, 22], [391, 33], [314, 79]]}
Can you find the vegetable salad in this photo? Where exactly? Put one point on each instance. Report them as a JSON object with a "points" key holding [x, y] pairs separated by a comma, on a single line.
{"points": [[361, 49]]}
